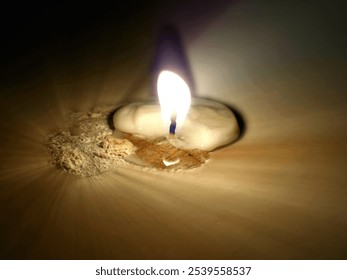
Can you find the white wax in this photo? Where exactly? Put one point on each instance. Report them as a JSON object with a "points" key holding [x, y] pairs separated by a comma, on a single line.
{"points": [[207, 126]]}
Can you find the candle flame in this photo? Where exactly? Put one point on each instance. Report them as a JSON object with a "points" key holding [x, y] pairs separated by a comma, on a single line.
{"points": [[174, 97]]}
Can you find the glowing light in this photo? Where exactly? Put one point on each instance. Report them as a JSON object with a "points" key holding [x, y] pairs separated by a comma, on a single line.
{"points": [[174, 97]]}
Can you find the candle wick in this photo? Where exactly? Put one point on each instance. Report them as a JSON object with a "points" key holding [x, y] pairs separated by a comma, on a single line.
{"points": [[172, 128]]}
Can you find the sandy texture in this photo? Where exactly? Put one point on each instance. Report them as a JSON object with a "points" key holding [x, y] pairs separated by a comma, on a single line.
{"points": [[87, 148]]}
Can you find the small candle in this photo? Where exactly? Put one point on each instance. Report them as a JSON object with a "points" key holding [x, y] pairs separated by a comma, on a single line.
{"points": [[200, 124]]}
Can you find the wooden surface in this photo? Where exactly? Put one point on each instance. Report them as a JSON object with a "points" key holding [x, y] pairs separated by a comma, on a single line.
{"points": [[278, 193]]}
